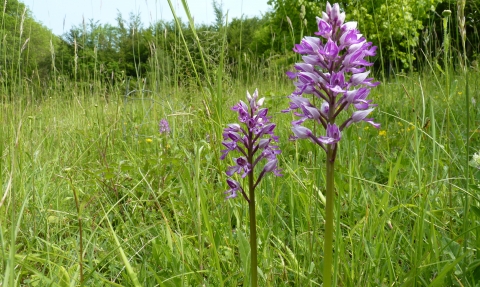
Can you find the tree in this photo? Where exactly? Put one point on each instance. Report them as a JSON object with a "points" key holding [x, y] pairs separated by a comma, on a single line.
{"points": [[19, 32], [393, 25]]}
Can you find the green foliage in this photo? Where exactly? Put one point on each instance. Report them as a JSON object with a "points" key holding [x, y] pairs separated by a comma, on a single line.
{"points": [[400, 28], [163, 193], [245, 42], [219, 15], [401, 192], [395, 26], [292, 19], [110, 51], [472, 26], [25, 45], [404, 30]]}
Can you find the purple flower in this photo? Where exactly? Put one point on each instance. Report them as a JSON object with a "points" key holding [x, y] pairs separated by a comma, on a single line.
{"points": [[333, 135], [334, 72], [309, 45], [254, 140], [241, 165], [164, 127], [272, 166], [302, 132], [234, 188], [324, 29]]}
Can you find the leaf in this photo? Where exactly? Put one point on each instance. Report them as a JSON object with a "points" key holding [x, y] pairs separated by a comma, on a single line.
{"points": [[475, 210], [474, 187], [474, 270], [130, 272], [63, 276], [439, 68], [109, 175], [439, 279], [126, 167], [244, 249]]}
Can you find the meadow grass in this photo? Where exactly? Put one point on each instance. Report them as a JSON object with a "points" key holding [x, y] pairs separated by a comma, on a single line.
{"points": [[159, 204], [151, 206]]}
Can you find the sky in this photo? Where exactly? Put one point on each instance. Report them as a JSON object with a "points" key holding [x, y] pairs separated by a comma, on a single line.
{"points": [[61, 15]]}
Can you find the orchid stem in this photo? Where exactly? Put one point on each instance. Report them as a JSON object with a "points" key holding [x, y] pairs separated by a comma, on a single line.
{"points": [[253, 232], [328, 243]]}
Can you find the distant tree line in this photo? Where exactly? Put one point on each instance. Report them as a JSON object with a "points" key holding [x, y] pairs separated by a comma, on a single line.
{"points": [[408, 32]]}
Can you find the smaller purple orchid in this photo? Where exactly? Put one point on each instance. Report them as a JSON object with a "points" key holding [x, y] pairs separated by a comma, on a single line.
{"points": [[253, 140], [164, 127]]}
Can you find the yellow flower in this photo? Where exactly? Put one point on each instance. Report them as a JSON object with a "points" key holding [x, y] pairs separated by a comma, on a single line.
{"points": [[382, 133], [148, 140]]}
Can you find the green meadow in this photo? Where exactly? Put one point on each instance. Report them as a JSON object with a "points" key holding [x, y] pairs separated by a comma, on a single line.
{"points": [[92, 194]]}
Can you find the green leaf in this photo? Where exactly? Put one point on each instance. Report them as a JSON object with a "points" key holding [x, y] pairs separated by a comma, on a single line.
{"points": [[474, 270], [475, 210], [126, 167], [63, 276], [446, 269], [244, 249]]}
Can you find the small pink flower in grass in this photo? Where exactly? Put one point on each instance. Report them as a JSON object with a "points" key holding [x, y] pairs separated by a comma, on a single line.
{"points": [[164, 127]]}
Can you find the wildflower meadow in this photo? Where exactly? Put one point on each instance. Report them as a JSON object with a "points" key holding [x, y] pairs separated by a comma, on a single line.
{"points": [[322, 144]]}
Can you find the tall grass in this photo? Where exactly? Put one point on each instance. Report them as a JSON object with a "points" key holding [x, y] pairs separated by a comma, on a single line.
{"points": [[152, 206]]}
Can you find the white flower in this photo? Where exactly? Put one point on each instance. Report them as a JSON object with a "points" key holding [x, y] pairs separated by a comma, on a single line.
{"points": [[475, 162]]}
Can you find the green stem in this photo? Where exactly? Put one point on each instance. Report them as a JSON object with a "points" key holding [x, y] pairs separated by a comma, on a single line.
{"points": [[328, 244], [461, 16], [253, 232], [446, 47], [467, 165], [79, 218]]}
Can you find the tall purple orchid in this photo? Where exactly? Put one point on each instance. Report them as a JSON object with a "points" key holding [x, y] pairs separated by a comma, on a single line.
{"points": [[254, 141], [334, 72]]}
